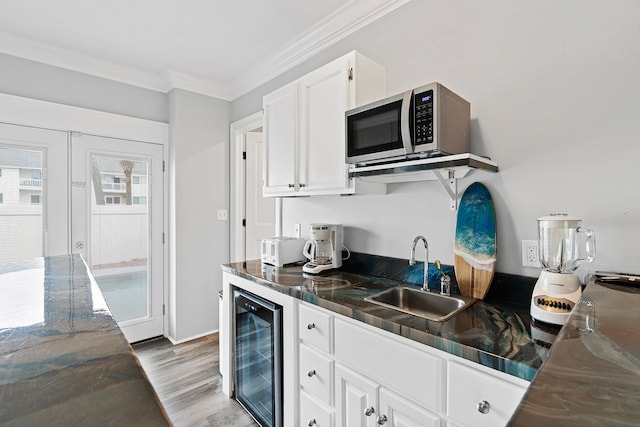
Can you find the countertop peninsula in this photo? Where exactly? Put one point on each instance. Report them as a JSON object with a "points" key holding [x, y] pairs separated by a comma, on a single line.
{"points": [[63, 359], [591, 378]]}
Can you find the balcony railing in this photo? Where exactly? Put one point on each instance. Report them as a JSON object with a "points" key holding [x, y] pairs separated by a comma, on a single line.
{"points": [[30, 183], [120, 187]]}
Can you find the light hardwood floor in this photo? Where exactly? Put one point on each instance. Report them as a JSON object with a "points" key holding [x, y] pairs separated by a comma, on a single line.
{"points": [[187, 381]]}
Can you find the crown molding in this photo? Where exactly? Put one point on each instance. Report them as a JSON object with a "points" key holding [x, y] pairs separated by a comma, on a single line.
{"points": [[13, 45], [350, 18], [175, 79]]}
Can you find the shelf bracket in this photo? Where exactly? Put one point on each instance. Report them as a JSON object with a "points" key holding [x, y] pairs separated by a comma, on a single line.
{"points": [[450, 185]]}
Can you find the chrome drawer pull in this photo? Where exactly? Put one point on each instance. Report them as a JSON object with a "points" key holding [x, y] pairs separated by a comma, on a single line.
{"points": [[311, 326], [381, 419], [369, 411], [483, 407], [311, 423], [311, 373]]}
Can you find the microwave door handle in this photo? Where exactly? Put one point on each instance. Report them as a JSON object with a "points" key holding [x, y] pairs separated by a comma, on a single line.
{"points": [[405, 116]]}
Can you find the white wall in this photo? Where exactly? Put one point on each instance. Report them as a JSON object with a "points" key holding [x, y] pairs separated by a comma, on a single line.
{"points": [[199, 181], [31, 79], [554, 92]]}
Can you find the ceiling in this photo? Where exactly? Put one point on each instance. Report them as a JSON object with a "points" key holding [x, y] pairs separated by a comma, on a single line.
{"points": [[221, 48]]}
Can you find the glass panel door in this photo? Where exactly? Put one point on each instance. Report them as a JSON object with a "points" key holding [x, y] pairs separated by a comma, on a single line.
{"points": [[117, 225], [33, 193], [258, 358]]}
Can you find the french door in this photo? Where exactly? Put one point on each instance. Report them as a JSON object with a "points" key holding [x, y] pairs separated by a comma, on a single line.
{"points": [[33, 193], [117, 225]]}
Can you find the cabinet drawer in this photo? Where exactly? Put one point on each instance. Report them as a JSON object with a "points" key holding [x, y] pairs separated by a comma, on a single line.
{"points": [[316, 374], [316, 328], [312, 414], [403, 368], [469, 388]]}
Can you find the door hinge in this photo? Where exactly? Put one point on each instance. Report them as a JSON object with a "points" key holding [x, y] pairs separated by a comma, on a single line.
{"points": [[244, 155], [163, 166], [163, 312], [163, 238], [244, 222], [351, 73]]}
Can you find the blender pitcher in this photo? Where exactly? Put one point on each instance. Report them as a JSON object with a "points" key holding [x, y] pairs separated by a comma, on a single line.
{"points": [[560, 243]]}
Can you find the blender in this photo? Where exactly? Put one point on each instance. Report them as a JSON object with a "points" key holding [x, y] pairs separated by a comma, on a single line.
{"points": [[324, 249], [558, 289]]}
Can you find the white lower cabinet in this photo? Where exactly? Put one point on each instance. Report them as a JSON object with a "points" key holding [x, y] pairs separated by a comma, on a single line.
{"points": [[361, 402], [316, 372], [356, 399], [367, 377], [314, 414], [482, 399], [397, 411]]}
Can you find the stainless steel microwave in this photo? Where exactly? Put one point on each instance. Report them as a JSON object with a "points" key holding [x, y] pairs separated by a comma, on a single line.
{"points": [[430, 120]]}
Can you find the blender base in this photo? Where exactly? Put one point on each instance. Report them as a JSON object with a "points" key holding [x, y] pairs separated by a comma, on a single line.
{"points": [[554, 297]]}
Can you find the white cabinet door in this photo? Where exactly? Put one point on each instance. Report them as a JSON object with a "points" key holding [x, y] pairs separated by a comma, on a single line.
{"points": [[396, 411], [324, 97], [481, 400], [356, 399], [304, 127], [280, 152]]}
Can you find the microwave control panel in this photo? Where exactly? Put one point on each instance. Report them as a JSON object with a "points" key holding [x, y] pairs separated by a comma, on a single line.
{"points": [[423, 127]]}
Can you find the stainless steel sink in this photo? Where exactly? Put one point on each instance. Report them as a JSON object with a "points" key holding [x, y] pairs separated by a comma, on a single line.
{"points": [[417, 302]]}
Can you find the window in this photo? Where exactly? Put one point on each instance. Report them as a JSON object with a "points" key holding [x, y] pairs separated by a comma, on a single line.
{"points": [[35, 199], [139, 200], [139, 179], [112, 200], [37, 174]]}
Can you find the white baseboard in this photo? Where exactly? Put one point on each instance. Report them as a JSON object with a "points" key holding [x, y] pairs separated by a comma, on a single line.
{"points": [[183, 340]]}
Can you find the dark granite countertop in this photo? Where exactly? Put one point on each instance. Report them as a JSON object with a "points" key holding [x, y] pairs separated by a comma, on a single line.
{"points": [[63, 359], [591, 378], [492, 334]]}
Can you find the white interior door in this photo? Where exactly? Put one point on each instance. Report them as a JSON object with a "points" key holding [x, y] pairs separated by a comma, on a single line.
{"points": [[117, 225], [260, 211], [33, 193]]}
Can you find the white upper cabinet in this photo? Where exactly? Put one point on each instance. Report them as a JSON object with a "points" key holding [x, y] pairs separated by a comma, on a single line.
{"points": [[304, 126], [280, 117]]}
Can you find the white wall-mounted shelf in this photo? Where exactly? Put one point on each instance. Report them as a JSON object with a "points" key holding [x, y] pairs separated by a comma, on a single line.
{"points": [[445, 169]]}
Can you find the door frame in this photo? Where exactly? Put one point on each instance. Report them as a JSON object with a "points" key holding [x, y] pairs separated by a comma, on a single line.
{"points": [[43, 114], [238, 136]]}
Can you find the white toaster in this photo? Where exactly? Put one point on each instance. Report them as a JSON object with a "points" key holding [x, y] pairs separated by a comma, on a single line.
{"points": [[279, 251]]}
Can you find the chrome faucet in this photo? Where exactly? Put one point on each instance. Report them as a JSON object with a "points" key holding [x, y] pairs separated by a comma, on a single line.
{"points": [[412, 260]]}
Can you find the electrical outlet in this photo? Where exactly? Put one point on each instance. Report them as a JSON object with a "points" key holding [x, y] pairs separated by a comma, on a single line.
{"points": [[223, 215], [530, 253], [296, 229]]}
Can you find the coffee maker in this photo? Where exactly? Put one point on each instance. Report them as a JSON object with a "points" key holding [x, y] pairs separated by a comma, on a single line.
{"points": [[558, 289], [324, 249]]}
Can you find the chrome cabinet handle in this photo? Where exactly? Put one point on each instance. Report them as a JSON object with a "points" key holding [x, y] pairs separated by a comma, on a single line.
{"points": [[312, 422], [381, 419], [291, 185], [311, 373], [369, 411], [311, 326], [301, 185], [484, 407]]}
